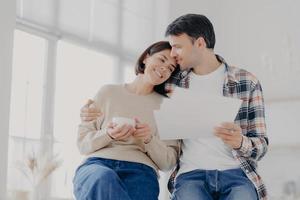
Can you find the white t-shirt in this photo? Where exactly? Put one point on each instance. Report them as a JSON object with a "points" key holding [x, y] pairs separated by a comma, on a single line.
{"points": [[207, 153]]}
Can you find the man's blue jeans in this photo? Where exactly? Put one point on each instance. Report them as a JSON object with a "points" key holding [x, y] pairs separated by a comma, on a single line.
{"points": [[106, 179], [230, 184]]}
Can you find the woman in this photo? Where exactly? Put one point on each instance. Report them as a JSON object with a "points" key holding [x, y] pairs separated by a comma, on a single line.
{"points": [[123, 161]]}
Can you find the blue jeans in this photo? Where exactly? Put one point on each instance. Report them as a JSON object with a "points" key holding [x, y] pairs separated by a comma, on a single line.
{"points": [[230, 184], [106, 179]]}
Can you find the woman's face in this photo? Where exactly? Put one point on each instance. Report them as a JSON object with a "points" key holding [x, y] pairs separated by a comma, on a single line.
{"points": [[159, 67]]}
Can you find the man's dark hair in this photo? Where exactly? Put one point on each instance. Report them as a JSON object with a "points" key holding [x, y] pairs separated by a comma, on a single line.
{"points": [[195, 26]]}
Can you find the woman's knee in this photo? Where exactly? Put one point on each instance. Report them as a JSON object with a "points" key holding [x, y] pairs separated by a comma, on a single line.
{"points": [[91, 175]]}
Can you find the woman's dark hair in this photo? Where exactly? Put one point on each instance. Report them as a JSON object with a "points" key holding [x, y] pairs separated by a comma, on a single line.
{"points": [[195, 26], [140, 66]]}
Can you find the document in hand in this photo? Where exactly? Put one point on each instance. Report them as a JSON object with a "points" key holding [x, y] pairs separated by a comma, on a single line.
{"points": [[186, 115]]}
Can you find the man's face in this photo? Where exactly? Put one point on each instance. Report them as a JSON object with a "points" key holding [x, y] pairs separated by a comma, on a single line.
{"points": [[183, 50]]}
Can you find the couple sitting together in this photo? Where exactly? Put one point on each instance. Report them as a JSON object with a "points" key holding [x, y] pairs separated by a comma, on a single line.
{"points": [[123, 160]]}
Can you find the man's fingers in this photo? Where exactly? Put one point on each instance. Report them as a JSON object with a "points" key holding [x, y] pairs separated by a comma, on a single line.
{"points": [[230, 125], [90, 114], [228, 128], [89, 110], [88, 118], [89, 107], [221, 130], [224, 136], [89, 102]]}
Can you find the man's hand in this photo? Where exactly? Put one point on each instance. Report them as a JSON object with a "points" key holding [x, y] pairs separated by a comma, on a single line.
{"points": [[143, 131], [119, 132], [230, 133], [89, 112]]}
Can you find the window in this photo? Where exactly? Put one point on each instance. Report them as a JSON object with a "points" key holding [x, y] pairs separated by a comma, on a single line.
{"points": [[26, 102], [79, 75]]}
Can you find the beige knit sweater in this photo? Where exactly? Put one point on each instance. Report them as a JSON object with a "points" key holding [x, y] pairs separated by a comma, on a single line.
{"points": [[117, 101]]}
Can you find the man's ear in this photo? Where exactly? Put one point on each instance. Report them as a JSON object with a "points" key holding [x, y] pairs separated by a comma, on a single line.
{"points": [[146, 57], [200, 42]]}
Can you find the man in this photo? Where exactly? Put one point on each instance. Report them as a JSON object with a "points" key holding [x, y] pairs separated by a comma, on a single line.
{"points": [[221, 167]]}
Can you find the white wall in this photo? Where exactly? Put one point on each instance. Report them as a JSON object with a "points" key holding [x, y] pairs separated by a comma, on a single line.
{"points": [[7, 20], [283, 123], [162, 13], [260, 36]]}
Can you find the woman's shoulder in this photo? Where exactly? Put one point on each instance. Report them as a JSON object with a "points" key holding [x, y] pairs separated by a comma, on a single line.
{"points": [[107, 90]]}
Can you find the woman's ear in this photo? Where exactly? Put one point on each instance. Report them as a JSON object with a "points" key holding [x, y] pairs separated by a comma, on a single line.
{"points": [[146, 57]]}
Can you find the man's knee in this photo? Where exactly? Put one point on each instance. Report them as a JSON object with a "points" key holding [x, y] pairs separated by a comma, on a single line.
{"points": [[245, 192], [190, 190]]}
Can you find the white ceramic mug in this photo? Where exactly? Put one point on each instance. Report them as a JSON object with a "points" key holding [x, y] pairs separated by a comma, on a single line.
{"points": [[123, 120]]}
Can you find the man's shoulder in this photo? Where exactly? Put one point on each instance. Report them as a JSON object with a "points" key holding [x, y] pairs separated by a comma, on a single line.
{"points": [[242, 75]]}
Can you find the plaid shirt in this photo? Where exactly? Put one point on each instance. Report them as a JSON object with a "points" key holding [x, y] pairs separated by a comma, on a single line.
{"points": [[243, 85]]}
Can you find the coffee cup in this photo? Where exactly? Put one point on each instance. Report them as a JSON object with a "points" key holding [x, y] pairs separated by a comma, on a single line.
{"points": [[120, 121]]}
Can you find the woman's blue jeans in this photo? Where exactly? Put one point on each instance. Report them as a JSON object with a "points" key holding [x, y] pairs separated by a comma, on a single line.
{"points": [[230, 184], [106, 179]]}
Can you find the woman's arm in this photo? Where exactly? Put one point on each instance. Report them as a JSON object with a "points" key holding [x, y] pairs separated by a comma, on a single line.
{"points": [[93, 132], [163, 153], [90, 139], [91, 136]]}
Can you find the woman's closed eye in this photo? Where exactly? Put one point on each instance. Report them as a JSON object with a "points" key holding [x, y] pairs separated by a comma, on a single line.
{"points": [[162, 60]]}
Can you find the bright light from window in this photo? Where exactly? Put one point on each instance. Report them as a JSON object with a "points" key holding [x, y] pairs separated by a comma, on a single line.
{"points": [[129, 73], [79, 75], [27, 85], [26, 103]]}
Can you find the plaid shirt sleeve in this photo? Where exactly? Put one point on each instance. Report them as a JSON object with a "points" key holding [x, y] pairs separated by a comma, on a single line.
{"points": [[255, 143]]}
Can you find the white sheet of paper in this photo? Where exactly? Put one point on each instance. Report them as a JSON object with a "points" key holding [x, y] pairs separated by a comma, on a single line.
{"points": [[185, 115]]}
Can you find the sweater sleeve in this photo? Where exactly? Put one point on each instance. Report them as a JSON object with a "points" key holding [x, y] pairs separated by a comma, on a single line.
{"points": [[92, 135], [163, 152], [90, 139]]}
